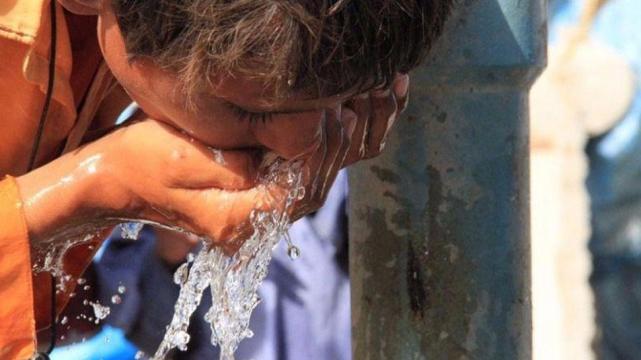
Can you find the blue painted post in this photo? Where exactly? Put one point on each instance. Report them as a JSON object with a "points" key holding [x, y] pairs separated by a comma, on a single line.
{"points": [[439, 224]]}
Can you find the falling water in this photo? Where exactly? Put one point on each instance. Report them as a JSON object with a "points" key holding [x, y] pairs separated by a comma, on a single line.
{"points": [[233, 281]]}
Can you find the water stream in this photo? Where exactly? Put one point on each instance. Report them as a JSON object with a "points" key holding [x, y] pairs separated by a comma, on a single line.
{"points": [[233, 281]]}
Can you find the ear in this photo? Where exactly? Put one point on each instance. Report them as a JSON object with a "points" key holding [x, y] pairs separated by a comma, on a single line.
{"points": [[83, 7]]}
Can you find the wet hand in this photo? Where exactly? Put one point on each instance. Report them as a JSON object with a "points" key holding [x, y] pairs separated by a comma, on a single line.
{"points": [[377, 111], [147, 171], [355, 131]]}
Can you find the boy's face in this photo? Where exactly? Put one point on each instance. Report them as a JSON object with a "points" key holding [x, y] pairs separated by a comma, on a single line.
{"points": [[236, 112]]}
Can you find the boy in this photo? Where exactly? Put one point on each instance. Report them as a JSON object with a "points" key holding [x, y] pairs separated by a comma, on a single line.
{"points": [[291, 77]]}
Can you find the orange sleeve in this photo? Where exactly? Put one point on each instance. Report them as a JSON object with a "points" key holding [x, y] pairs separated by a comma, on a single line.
{"points": [[17, 325]]}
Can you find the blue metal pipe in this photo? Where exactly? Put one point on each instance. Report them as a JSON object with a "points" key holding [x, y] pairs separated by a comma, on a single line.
{"points": [[439, 224]]}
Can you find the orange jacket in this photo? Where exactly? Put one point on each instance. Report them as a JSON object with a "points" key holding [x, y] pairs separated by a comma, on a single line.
{"points": [[83, 98]]}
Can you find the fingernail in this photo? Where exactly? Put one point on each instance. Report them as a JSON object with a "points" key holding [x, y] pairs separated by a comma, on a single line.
{"points": [[401, 85]]}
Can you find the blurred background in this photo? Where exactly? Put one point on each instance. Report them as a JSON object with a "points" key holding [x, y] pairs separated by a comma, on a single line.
{"points": [[586, 183], [586, 228]]}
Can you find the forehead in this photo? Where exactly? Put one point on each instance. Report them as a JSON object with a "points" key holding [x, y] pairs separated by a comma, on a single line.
{"points": [[253, 94]]}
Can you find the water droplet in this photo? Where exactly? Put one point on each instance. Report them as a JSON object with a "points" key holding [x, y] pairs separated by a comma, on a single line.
{"points": [[121, 289], [139, 355], [293, 252], [100, 311], [248, 334], [86, 287], [81, 281], [116, 300], [190, 257], [64, 320]]}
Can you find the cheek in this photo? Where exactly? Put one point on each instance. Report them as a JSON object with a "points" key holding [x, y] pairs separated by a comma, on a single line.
{"points": [[291, 135]]}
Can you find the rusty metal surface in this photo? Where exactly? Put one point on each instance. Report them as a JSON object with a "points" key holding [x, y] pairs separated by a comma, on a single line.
{"points": [[439, 224]]}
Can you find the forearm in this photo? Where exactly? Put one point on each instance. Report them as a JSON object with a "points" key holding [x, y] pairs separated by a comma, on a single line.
{"points": [[58, 200]]}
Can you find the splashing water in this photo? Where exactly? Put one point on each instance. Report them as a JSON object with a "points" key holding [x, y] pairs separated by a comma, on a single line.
{"points": [[100, 311], [52, 257], [130, 230], [233, 281]]}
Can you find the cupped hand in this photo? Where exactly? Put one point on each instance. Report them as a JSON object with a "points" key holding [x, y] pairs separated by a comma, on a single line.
{"points": [[151, 171], [147, 171]]}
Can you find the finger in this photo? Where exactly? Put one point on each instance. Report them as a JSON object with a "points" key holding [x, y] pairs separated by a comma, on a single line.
{"points": [[313, 165], [348, 122], [361, 105], [203, 169], [326, 165], [314, 168], [192, 165], [384, 114], [224, 217], [401, 86]]}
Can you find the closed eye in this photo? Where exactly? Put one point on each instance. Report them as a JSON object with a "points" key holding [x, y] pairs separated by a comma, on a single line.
{"points": [[252, 117]]}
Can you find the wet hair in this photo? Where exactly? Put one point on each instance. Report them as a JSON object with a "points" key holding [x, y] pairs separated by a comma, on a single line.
{"points": [[320, 46]]}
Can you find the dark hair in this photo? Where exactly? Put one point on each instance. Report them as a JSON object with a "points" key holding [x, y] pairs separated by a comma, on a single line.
{"points": [[322, 46]]}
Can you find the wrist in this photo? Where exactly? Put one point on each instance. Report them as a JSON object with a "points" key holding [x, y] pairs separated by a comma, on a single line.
{"points": [[58, 199]]}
